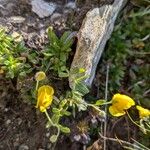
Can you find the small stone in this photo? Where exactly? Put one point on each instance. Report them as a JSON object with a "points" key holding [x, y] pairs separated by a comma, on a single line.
{"points": [[16, 19], [77, 137], [8, 121], [55, 16], [48, 134], [71, 5], [17, 37], [19, 121], [94, 120], [42, 8], [16, 143], [6, 110], [23, 147]]}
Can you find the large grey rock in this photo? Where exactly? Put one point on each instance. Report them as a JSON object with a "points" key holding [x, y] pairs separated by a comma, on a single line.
{"points": [[42, 8], [92, 37]]}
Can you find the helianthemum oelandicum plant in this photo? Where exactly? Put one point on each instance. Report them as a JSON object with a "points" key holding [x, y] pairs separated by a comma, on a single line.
{"points": [[143, 113], [45, 97], [120, 103]]}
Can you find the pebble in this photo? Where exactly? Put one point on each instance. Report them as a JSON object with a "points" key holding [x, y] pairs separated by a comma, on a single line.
{"points": [[16, 19], [19, 121], [23, 147], [8, 121], [6, 110], [43, 9], [55, 16], [71, 5], [77, 137], [47, 134]]}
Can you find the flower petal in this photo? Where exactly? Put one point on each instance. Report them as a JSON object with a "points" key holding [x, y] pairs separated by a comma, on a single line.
{"points": [[45, 97], [114, 112], [122, 102], [143, 112]]}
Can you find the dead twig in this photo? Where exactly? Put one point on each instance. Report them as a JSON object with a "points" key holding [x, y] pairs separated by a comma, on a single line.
{"points": [[122, 142], [106, 95]]}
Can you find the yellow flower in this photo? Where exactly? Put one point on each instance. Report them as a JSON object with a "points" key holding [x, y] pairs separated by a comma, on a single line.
{"points": [[40, 76], [143, 112], [120, 103], [81, 70], [45, 97]]}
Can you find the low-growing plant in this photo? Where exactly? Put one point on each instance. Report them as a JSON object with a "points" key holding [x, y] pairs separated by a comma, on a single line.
{"points": [[56, 53], [74, 98], [14, 64], [12, 61]]}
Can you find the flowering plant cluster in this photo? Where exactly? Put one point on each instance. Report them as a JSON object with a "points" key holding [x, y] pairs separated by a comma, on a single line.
{"points": [[119, 106], [14, 63], [121, 103]]}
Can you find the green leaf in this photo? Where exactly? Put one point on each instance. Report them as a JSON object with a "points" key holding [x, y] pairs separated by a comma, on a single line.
{"points": [[22, 74], [63, 74], [62, 103], [53, 138], [56, 110], [48, 54], [64, 112], [52, 36], [55, 118], [64, 37], [100, 102], [82, 107], [64, 129], [82, 88], [67, 45], [63, 57]]}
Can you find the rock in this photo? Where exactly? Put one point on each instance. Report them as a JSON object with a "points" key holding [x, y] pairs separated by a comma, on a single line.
{"points": [[23, 147], [42, 8], [55, 16], [7, 7], [92, 37], [19, 121], [8, 121], [77, 137], [71, 5], [16, 19], [47, 134], [17, 37]]}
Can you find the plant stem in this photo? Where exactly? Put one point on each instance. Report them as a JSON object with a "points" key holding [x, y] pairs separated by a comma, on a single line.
{"points": [[37, 84], [121, 141], [106, 96], [95, 107], [53, 124], [142, 146], [110, 102], [48, 117], [48, 65], [135, 122]]}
